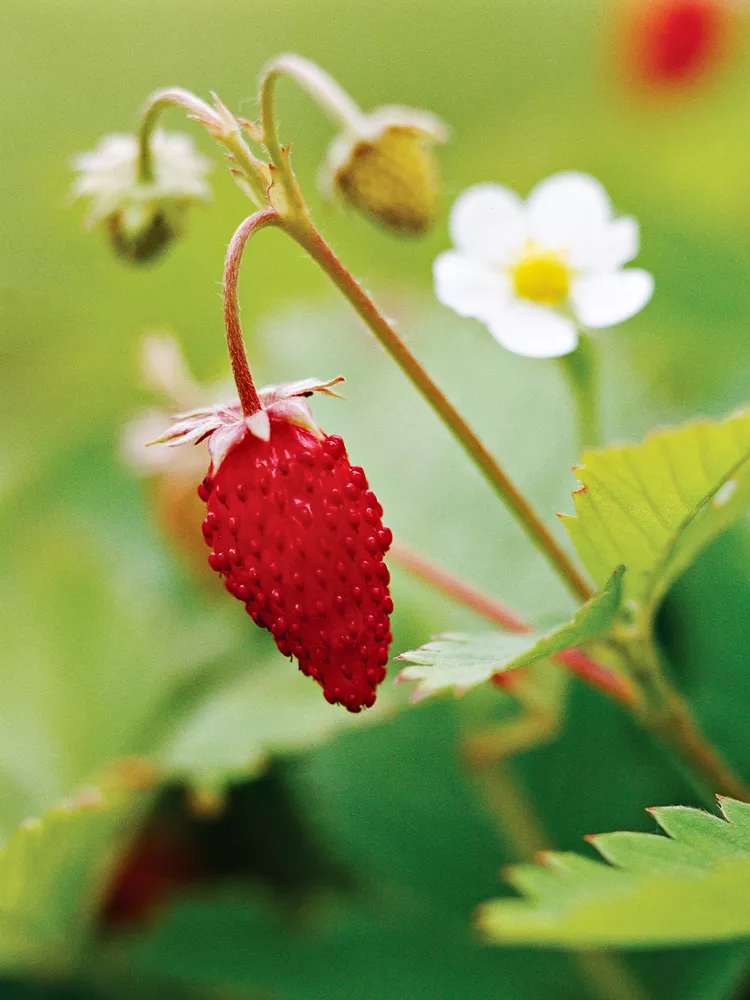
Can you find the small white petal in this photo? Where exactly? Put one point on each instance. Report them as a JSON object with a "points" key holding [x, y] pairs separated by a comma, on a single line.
{"points": [[606, 299], [608, 248], [534, 331], [488, 221], [468, 286], [566, 208]]}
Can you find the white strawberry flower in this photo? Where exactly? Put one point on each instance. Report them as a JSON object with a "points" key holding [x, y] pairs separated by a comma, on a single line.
{"points": [[537, 272], [108, 175], [142, 215]]}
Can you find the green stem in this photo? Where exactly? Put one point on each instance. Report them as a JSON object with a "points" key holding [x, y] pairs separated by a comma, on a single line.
{"points": [[331, 97], [666, 714], [310, 240], [674, 723], [156, 104], [580, 368]]}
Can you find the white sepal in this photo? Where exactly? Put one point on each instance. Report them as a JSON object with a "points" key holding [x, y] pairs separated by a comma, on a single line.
{"points": [[225, 425]]}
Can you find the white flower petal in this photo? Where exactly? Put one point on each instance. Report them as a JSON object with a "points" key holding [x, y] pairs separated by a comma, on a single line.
{"points": [[607, 248], [605, 299], [468, 286], [566, 209], [488, 221], [534, 331]]}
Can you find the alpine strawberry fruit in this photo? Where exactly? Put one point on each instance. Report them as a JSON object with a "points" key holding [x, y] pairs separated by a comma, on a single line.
{"points": [[298, 537]]}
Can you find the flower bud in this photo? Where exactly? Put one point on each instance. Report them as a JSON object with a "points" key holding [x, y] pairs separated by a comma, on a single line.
{"points": [[387, 168], [142, 217]]}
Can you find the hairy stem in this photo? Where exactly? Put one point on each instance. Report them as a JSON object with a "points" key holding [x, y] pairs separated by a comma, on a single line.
{"points": [[328, 94], [311, 241], [221, 125], [663, 710], [157, 103], [237, 353]]}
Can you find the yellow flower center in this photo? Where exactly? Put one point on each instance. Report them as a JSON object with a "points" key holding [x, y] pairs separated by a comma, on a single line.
{"points": [[542, 278]]}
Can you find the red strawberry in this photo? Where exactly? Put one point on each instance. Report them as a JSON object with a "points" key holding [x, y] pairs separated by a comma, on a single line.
{"points": [[675, 41], [298, 537]]}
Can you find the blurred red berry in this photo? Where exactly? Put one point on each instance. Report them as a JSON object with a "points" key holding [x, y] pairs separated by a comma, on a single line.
{"points": [[673, 42], [160, 862]]}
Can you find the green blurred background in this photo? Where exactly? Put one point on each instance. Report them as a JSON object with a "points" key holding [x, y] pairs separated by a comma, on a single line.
{"points": [[363, 854]]}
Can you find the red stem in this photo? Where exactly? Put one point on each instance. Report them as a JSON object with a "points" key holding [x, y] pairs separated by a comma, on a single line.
{"points": [[463, 592], [240, 368], [575, 660]]}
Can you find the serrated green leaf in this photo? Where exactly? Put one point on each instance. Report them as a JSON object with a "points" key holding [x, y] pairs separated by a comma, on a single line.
{"points": [[53, 871], [459, 661], [654, 506], [689, 887]]}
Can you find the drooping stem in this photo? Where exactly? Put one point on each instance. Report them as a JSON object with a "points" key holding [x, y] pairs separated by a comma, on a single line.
{"points": [[328, 94], [310, 240], [155, 105], [575, 660], [218, 121], [237, 353]]}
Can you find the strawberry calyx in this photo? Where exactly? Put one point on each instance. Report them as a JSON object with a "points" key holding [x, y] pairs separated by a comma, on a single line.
{"points": [[224, 425]]}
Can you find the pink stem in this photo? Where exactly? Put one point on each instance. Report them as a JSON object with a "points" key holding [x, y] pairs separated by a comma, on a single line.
{"points": [[463, 592]]}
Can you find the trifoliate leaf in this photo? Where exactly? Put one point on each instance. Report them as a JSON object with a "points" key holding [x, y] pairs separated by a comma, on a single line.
{"points": [[654, 506], [689, 887], [461, 661], [53, 872]]}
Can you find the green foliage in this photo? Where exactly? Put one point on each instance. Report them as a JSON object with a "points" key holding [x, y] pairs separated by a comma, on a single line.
{"points": [[269, 711], [53, 871], [654, 506], [463, 661], [103, 646], [689, 887], [411, 950]]}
